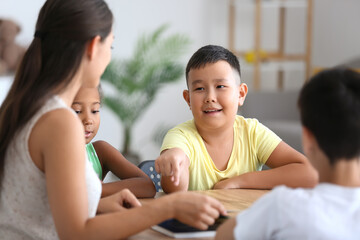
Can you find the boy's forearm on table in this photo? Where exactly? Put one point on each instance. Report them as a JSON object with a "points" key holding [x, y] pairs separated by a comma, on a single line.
{"points": [[291, 175]]}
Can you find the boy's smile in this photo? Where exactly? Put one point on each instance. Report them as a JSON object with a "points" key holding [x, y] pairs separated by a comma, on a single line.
{"points": [[210, 111], [214, 95]]}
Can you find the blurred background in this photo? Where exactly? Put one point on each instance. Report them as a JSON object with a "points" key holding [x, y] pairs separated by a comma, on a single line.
{"points": [[333, 40]]}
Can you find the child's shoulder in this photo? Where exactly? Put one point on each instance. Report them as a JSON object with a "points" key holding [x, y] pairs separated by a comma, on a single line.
{"points": [[188, 126], [101, 145], [241, 121], [292, 195]]}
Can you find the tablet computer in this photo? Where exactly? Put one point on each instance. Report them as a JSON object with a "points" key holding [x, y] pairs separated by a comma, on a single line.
{"points": [[175, 229]]}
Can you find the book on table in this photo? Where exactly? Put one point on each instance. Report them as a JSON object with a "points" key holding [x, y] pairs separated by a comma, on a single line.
{"points": [[175, 229]]}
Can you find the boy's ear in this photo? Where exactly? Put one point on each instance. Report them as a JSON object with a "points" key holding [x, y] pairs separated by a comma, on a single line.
{"points": [[186, 96], [307, 134], [243, 89], [308, 140], [92, 47]]}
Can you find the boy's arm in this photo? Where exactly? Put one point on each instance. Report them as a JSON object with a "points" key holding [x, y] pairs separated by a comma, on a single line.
{"points": [[288, 167], [173, 165], [226, 230]]}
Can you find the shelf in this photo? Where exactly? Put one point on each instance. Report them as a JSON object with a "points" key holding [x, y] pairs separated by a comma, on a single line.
{"points": [[272, 3], [272, 56]]}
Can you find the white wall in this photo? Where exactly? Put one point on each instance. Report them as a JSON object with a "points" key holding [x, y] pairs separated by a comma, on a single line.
{"points": [[335, 39], [336, 32], [23, 12]]}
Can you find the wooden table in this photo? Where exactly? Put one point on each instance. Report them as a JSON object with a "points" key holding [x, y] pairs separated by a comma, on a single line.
{"points": [[234, 200]]}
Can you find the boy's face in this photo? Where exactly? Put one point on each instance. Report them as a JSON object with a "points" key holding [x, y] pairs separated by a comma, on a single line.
{"points": [[87, 106], [214, 95]]}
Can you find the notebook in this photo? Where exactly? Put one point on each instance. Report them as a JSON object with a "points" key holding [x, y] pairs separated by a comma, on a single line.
{"points": [[175, 229]]}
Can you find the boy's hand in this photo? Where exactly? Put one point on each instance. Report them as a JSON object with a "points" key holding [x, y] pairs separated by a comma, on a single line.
{"points": [[196, 209], [118, 202], [171, 162]]}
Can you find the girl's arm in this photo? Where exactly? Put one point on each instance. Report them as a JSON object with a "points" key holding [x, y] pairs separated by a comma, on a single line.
{"points": [[194, 209], [56, 146], [131, 176]]}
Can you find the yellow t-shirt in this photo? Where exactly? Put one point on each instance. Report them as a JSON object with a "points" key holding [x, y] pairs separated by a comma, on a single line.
{"points": [[253, 144]]}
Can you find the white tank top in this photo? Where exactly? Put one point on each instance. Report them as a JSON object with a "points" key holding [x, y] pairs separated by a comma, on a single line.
{"points": [[24, 206]]}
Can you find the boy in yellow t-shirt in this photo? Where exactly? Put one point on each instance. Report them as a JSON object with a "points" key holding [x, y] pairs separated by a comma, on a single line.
{"points": [[218, 148]]}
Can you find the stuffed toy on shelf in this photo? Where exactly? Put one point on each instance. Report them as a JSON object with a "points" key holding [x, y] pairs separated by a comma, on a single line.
{"points": [[11, 53]]}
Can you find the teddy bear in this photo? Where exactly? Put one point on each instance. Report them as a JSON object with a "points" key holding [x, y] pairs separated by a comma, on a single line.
{"points": [[11, 53]]}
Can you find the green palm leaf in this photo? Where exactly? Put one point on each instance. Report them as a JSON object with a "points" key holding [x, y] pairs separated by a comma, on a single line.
{"points": [[155, 62]]}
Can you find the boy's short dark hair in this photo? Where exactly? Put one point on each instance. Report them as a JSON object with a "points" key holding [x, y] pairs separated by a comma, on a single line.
{"points": [[330, 108], [212, 54]]}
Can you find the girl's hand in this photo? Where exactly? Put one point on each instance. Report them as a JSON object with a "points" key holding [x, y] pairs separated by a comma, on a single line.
{"points": [[118, 202]]}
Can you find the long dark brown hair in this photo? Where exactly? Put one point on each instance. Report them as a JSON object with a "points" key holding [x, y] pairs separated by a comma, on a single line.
{"points": [[63, 29]]}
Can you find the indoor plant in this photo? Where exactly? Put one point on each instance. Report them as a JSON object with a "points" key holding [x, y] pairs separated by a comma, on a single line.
{"points": [[136, 81]]}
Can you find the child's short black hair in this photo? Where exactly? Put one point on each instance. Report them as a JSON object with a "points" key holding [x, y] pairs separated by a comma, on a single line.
{"points": [[212, 54], [330, 108]]}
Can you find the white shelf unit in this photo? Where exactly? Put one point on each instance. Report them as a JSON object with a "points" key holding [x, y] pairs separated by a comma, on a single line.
{"points": [[279, 57]]}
